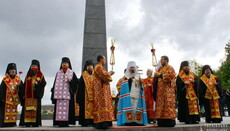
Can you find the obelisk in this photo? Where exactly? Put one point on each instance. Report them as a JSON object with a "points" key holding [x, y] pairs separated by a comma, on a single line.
{"points": [[94, 41]]}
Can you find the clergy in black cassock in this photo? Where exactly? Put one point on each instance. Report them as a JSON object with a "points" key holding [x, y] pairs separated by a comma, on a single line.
{"points": [[9, 98], [210, 91], [65, 85], [85, 95], [31, 95], [187, 95]]}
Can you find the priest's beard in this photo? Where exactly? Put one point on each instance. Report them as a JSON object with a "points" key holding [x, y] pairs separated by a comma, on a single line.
{"points": [[208, 75], [186, 72], [33, 72], [90, 72], [12, 75], [132, 72]]}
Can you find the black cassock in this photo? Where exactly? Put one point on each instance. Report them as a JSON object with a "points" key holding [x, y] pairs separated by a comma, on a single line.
{"points": [[205, 102], [39, 90], [72, 119], [81, 101], [183, 110], [227, 102], [2, 104]]}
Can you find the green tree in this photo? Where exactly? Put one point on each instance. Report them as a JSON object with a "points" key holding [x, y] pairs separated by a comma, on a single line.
{"points": [[223, 73]]}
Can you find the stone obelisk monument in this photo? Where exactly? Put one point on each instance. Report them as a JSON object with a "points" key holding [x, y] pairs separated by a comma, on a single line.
{"points": [[94, 42]]}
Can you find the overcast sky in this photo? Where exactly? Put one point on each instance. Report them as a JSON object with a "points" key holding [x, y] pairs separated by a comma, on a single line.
{"points": [[48, 30]]}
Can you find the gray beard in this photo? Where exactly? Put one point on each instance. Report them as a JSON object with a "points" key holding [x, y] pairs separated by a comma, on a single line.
{"points": [[132, 73]]}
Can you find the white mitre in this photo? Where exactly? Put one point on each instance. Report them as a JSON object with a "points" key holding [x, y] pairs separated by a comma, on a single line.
{"points": [[128, 74]]}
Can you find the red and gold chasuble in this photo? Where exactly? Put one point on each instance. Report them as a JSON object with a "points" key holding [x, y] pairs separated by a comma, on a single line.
{"points": [[88, 79], [103, 105], [30, 97], [148, 89], [165, 99], [12, 99], [212, 95], [190, 92]]}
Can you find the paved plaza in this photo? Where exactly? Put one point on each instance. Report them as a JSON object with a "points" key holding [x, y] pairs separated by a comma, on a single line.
{"points": [[47, 126]]}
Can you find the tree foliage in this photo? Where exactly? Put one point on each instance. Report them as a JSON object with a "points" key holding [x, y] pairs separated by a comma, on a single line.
{"points": [[224, 70]]}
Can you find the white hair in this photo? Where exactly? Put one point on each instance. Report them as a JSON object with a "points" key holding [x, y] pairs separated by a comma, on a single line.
{"points": [[150, 70]]}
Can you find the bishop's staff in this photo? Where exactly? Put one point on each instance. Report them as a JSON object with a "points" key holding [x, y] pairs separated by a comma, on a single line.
{"points": [[154, 58], [154, 63], [112, 57]]}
